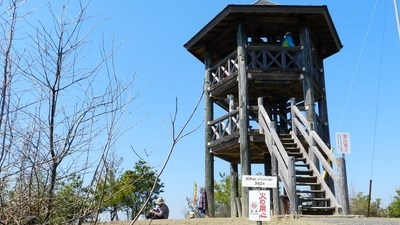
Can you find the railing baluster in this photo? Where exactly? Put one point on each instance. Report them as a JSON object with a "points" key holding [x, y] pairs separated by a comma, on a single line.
{"points": [[225, 125]]}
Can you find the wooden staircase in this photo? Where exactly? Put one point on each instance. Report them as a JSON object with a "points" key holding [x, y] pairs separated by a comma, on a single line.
{"points": [[311, 196], [300, 157]]}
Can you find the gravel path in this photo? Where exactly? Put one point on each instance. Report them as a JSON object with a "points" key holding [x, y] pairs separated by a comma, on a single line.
{"points": [[357, 221]]}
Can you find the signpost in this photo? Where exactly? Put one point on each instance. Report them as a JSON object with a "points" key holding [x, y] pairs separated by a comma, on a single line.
{"points": [[343, 143], [259, 200]]}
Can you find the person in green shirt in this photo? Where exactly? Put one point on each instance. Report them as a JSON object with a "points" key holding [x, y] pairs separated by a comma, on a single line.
{"points": [[288, 40]]}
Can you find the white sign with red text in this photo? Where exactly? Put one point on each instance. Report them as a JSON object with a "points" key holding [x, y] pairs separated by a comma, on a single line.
{"points": [[343, 143], [259, 205]]}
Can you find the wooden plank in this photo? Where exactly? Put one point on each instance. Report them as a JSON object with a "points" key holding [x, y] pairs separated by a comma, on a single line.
{"points": [[274, 76]]}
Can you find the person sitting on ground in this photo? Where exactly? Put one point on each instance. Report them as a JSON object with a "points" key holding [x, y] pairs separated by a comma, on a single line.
{"points": [[161, 211]]}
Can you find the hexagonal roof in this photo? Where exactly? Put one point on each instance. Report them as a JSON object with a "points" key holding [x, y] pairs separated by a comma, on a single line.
{"points": [[219, 34]]}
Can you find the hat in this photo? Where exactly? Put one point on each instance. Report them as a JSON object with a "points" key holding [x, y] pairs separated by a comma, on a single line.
{"points": [[288, 33], [159, 201]]}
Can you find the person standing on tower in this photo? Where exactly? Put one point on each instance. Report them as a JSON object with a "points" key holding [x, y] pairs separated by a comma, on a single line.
{"points": [[288, 40]]}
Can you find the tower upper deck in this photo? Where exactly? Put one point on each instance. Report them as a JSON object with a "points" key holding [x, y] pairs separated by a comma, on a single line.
{"points": [[219, 35]]}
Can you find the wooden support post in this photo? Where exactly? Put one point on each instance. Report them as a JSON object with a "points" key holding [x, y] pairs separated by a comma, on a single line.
{"points": [[292, 114], [209, 157], [231, 101], [323, 105], [243, 113], [344, 192], [267, 164], [308, 81], [239, 206], [260, 102], [292, 192], [323, 130], [234, 189], [275, 191]]}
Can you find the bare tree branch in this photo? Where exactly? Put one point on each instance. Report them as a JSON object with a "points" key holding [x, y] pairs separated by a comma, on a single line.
{"points": [[175, 139]]}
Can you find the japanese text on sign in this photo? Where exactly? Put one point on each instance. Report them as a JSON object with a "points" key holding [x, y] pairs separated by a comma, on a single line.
{"points": [[259, 205], [259, 181], [343, 143]]}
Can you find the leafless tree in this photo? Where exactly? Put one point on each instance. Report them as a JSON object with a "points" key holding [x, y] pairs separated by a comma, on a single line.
{"points": [[177, 134], [9, 103], [60, 114], [60, 119]]}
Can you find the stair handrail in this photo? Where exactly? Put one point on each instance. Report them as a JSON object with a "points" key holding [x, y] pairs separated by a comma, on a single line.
{"points": [[268, 127], [286, 168], [328, 191], [314, 140], [317, 145]]}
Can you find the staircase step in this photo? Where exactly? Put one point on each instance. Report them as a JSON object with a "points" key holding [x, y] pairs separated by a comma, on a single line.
{"points": [[295, 154], [285, 136], [304, 172], [314, 199], [308, 184], [292, 149], [306, 179], [300, 160], [288, 144], [311, 191], [286, 139], [315, 210], [302, 166]]}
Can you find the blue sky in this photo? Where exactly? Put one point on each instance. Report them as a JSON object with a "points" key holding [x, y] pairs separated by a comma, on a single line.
{"points": [[362, 87]]}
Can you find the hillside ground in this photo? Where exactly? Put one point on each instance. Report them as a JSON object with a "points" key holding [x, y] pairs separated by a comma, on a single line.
{"points": [[303, 220]]}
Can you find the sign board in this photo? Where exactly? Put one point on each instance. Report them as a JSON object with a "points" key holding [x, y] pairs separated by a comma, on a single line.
{"points": [[343, 143], [259, 181], [259, 205]]}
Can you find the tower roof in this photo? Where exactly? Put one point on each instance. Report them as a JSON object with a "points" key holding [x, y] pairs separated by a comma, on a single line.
{"points": [[219, 34], [265, 2]]}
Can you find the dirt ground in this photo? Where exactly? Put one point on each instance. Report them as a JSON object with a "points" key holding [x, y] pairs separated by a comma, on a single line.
{"points": [[274, 221]]}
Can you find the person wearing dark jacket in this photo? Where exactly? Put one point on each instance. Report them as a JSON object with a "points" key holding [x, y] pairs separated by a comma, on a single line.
{"points": [[161, 211]]}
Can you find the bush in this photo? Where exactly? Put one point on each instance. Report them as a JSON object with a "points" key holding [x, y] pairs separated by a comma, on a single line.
{"points": [[393, 209], [359, 206]]}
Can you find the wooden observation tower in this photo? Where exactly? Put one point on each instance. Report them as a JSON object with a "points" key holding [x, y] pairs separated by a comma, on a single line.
{"points": [[266, 104]]}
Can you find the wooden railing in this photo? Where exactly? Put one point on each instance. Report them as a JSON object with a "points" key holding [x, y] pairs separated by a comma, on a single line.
{"points": [[266, 57], [317, 149], [227, 67], [263, 57], [225, 127], [286, 164]]}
